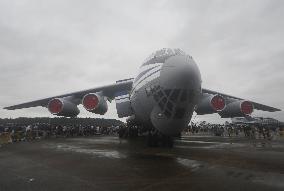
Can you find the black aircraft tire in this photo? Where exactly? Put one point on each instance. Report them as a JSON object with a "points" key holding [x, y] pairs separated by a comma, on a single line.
{"points": [[150, 140], [170, 142]]}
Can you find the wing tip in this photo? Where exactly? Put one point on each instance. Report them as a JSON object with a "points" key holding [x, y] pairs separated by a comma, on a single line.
{"points": [[276, 109], [8, 108], [270, 109]]}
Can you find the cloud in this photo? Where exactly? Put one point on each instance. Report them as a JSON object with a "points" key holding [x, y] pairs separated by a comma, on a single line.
{"points": [[53, 47]]}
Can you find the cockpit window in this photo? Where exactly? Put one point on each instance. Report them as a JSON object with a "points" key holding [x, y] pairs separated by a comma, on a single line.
{"points": [[161, 55], [179, 52], [169, 100]]}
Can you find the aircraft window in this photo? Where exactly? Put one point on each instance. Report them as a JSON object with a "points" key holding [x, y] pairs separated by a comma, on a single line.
{"points": [[154, 89], [179, 113], [179, 51], [161, 55], [168, 114], [170, 51], [156, 97], [161, 104], [183, 95], [157, 88], [170, 106], [160, 93], [175, 95], [167, 92]]}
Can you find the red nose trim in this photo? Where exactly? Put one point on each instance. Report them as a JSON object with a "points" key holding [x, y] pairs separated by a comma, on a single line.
{"points": [[246, 107], [218, 103], [90, 102], [55, 106]]}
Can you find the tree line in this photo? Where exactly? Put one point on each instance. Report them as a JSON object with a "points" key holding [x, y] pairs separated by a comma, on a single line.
{"points": [[61, 121]]}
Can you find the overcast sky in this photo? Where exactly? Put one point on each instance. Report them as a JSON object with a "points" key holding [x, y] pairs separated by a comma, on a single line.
{"points": [[59, 46]]}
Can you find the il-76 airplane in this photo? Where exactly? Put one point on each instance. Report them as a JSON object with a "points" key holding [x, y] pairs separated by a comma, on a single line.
{"points": [[160, 99]]}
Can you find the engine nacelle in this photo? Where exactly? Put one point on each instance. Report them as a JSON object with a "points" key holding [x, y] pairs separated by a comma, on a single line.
{"points": [[239, 108], [62, 107], [210, 104], [95, 103]]}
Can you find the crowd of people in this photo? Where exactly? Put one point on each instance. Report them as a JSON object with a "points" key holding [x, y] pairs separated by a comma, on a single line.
{"points": [[251, 131], [22, 132], [18, 132]]}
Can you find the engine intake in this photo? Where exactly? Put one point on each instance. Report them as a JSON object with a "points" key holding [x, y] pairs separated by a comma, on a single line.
{"points": [[95, 103], [62, 107], [218, 103], [246, 107], [210, 104]]}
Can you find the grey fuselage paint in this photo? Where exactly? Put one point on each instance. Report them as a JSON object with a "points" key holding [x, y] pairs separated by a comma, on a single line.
{"points": [[166, 91]]}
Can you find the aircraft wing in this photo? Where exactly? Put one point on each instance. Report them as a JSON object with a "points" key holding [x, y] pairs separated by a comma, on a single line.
{"points": [[257, 106], [109, 91]]}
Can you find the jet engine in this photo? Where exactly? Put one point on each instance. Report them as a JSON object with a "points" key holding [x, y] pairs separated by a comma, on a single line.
{"points": [[95, 103], [210, 104], [62, 107], [237, 108]]}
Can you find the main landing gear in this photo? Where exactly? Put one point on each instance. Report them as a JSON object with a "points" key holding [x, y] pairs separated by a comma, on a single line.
{"points": [[153, 137], [156, 139]]}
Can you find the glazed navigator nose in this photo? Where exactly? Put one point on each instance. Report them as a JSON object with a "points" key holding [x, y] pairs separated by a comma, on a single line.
{"points": [[179, 86]]}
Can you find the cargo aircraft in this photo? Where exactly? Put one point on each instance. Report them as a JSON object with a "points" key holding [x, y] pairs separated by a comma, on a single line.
{"points": [[160, 99]]}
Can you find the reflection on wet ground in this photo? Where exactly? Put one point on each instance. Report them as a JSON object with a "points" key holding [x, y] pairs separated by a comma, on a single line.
{"points": [[96, 152], [107, 163]]}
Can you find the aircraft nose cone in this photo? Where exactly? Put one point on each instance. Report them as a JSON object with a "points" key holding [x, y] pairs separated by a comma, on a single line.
{"points": [[180, 72]]}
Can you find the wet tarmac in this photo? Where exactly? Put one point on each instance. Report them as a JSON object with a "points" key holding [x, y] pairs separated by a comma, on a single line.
{"points": [[106, 163]]}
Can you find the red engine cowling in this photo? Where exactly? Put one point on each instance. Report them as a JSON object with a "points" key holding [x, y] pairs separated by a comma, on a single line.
{"points": [[237, 108], [95, 103], [210, 104], [62, 107]]}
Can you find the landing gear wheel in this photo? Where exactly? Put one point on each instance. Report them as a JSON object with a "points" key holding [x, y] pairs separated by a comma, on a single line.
{"points": [[170, 142], [167, 141], [152, 140], [149, 140], [157, 139]]}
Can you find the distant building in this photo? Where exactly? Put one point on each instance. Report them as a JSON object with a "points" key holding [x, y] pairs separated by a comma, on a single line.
{"points": [[256, 120]]}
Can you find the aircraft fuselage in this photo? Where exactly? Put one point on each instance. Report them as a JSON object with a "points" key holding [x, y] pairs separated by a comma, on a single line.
{"points": [[166, 90]]}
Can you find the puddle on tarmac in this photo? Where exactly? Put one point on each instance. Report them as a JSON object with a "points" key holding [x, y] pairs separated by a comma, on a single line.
{"points": [[192, 164], [97, 140], [196, 136], [269, 179], [200, 142], [96, 152], [209, 145]]}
